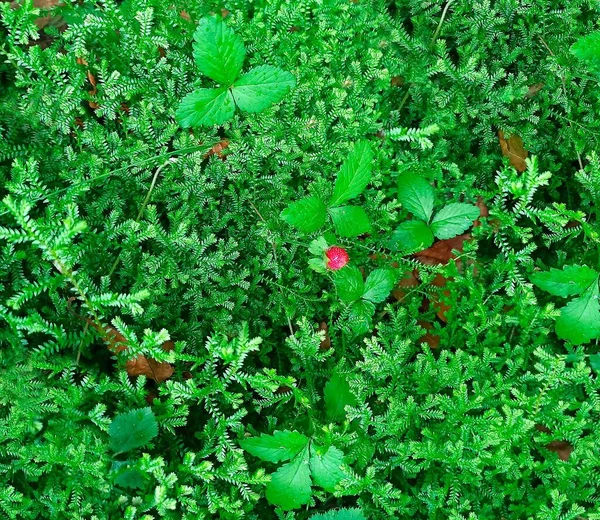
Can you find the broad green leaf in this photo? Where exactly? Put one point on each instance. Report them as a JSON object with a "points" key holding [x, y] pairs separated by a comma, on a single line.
{"points": [[127, 476], [572, 280], [411, 236], [325, 467], [579, 320], [132, 430], [349, 283], [350, 221], [337, 396], [308, 214], [205, 107], [218, 51], [262, 86], [277, 447], [416, 195], [361, 316], [379, 284], [453, 219], [595, 362], [340, 514], [290, 484], [354, 175], [587, 49]]}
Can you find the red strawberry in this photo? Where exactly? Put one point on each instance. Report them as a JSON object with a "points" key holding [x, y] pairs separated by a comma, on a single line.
{"points": [[336, 258]]}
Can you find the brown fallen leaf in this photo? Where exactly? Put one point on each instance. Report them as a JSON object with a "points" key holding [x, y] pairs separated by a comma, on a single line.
{"points": [[433, 340], [81, 61], [397, 81], [562, 448], [533, 90], [185, 16], [441, 252], [92, 79], [513, 149], [326, 343], [217, 149], [407, 282]]}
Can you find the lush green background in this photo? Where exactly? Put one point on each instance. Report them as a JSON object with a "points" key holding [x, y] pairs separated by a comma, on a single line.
{"points": [[461, 431]]}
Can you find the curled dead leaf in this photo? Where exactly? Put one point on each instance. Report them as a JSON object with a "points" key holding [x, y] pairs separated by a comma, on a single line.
{"points": [[326, 342], [562, 448], [513, 149]]}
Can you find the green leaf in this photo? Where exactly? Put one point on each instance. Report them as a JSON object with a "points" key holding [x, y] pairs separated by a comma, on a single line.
{"points": [[277, 447], [326, 467], [205, 107], [127, 476], [453, 219], [361, 316], [595, 362], [308, 214], [572, 280], [132, 430], [354, 175], [290, 484], [411, 236], [587, 49], [349, 283], [262, 86], [318, 246], [379, 284], [579, 320], [340, 514], [218, 51], [337, 396], [416, 195], [350, 221]]}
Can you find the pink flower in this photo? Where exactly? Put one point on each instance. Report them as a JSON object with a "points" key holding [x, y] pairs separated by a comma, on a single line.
{"points": [[336, 258]]}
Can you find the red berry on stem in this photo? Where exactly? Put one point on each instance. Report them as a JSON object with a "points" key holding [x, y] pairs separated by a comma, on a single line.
{"points": [[336, 258]]}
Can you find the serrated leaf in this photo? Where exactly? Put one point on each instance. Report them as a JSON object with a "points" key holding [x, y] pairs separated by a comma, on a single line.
{"points": [[127, 476], [290, 484], [337, 396], [262, 86], [218, 51], [595, 362], [361, 316], [587, 49], [282, 445], [205, 107], [378, 285], [453, 219], [350, 221], [340, 514], [349, 283], [579, 320], [354, 175], [416, 195], [326, 468], [307, 215], [318, 246], [572, 280], [411, 236], [132, 430]]}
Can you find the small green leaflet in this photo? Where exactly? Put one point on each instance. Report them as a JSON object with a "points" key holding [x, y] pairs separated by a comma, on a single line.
{"points": [[411, 236], [453, 219], [337, 396], [416, 195], [277, 447], [349, 283], [379, 284], [219, 53], [354, 175], [308, 214], [361, 316], [572, 280], [127, 476], [587, 49], [595, 362], [326, 468], [132, 430], [290, 484], [340, 514], [350, 221], [579, 320]]}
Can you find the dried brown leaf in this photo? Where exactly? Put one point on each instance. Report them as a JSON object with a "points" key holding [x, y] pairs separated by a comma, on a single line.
{"points": [[514, 150]]}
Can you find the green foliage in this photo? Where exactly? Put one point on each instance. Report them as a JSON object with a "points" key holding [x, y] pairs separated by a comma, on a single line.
{"points": [[131, 430]]}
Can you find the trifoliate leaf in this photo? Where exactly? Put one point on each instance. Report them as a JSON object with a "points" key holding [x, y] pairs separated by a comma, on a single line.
{"points": [[579, 320], [411, 236], [132, 430], [453, 219], [326, 468], [337, 396], [587, 49], [350, 221], [290, 484], [379, 284], [262, 86], [354, 175], [572, 280], [308, 214], [277, 447], [218, 51], [349, 283], [340, 514], [416, 195], [205, 107]]}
